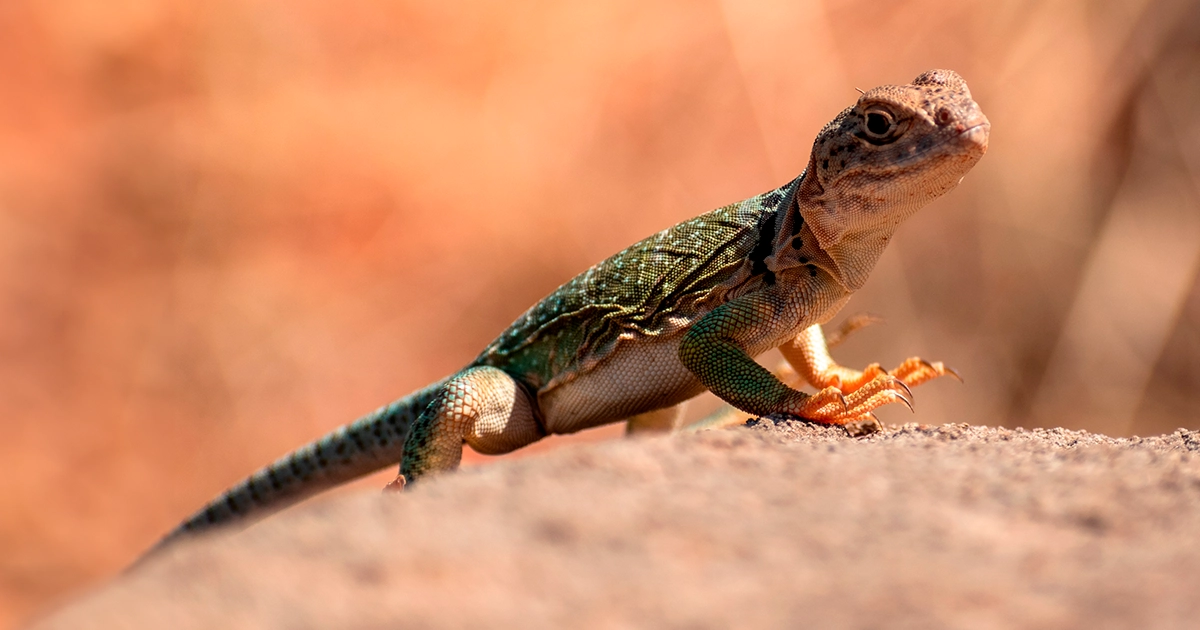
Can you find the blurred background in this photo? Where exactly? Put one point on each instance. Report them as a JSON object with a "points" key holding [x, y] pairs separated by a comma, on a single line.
{"points": [[228, 226]]}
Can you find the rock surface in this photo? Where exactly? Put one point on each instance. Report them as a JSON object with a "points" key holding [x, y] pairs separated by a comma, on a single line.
{"points": [[783, 525]]}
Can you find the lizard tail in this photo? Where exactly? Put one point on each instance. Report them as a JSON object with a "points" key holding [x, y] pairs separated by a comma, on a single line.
{"points": [[370, 443]]}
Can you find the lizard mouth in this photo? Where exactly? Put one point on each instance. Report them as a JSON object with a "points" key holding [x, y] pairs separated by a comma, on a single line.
{"points": [[975, 136]]}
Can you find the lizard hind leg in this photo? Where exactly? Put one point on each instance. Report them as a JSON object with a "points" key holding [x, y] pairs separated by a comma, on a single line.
{"points": [[808, 354], [483, 407]]}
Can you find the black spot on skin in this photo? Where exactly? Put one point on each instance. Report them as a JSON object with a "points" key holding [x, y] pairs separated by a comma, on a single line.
{"points": [[812, 271], [275, 485], [797, 243], [825, 164], [804, 260], [762, 249], [229, 503]]}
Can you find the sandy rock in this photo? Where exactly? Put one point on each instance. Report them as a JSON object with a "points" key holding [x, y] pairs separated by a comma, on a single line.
{"points": [[783, 525]]}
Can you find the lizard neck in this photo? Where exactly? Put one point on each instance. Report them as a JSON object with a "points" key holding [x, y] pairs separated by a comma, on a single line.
{"points": [[850, 228]]}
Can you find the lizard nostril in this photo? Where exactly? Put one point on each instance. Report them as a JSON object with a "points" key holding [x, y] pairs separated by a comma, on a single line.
{"points": [[943, 116]]}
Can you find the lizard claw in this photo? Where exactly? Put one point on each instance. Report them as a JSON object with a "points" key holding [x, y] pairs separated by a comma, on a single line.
{"points": [[855, 407], [953, 373]]}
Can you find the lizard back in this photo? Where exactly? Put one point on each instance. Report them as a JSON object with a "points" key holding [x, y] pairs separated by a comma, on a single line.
{"points": [[656, 287]]}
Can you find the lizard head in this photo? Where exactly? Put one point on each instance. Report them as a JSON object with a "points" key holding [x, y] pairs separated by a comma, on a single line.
{"points": [[898, 148]]}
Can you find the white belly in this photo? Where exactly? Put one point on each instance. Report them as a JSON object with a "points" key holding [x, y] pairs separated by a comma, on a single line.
{"points": [[627, 383], [646, 374]]}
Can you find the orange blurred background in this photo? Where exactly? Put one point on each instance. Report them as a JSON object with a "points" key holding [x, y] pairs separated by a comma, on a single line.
{"points": [[228, 226]]}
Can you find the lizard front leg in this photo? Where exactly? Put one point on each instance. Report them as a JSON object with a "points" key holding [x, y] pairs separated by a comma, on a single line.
{"points": [[809, 355], [714, 349], [483, 407]]}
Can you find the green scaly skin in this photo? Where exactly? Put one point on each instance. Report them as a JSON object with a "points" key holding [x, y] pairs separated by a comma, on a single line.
{"points": [[682, 311]]}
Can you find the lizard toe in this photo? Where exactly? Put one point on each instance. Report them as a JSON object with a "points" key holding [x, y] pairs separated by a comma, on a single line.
{"points": [[915, 370]]}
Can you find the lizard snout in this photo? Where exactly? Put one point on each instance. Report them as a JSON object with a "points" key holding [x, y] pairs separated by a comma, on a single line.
{"points": [[973, 133]]}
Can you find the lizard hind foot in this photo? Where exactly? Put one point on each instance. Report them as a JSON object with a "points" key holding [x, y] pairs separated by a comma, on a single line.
{"points": [[396, 485]]}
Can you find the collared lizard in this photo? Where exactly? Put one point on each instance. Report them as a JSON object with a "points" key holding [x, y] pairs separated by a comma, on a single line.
{"points": [[682, 311]]}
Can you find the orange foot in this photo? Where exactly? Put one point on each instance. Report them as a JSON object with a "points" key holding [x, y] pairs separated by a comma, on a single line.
{"points": [[397, 485], [852, 411], [911, 372], [832, 406], [915, 371]]}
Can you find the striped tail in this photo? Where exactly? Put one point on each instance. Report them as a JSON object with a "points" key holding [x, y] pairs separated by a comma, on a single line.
{"points": [[370, 443]]}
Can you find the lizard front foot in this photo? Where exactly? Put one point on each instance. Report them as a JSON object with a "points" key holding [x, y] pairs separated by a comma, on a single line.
{"points": [[916, 370], [832, 406]]}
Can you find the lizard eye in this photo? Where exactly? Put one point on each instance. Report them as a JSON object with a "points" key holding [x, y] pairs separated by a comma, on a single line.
{"points": [[880, 125], [879, 122]]}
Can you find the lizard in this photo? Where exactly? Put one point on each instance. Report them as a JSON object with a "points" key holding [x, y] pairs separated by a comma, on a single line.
{"points": [[682, 311]]}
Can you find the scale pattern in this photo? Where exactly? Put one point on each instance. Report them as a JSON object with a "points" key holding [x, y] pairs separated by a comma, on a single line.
{"points": [[683, 310], [655, 287]]}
